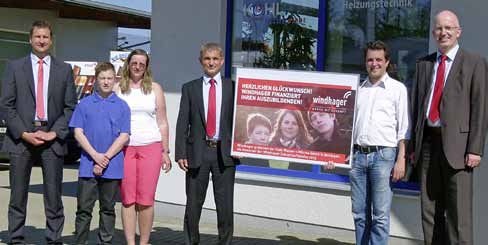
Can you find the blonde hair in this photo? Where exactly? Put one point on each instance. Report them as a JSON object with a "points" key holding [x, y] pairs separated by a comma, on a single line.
{"points": [[147, 79]]}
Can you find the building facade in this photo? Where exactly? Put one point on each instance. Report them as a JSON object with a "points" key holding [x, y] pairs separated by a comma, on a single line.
{"points": [[334, 33]]}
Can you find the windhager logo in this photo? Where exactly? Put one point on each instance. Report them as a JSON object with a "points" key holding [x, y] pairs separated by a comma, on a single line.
{"points": [[329, 101]]}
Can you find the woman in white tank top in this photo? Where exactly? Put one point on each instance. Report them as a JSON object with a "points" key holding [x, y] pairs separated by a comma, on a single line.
{"points": [[147, 151]]}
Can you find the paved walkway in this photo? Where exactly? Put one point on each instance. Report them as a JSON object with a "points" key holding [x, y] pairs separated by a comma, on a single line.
{"points": [[167, 223]]}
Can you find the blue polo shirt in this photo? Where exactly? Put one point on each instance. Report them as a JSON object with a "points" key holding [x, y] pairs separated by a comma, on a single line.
{"points": [[102, 121]]}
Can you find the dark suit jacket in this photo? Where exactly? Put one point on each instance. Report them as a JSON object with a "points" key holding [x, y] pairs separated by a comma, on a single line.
{"points": [[19, 101], [190, 128], [462, 107]]}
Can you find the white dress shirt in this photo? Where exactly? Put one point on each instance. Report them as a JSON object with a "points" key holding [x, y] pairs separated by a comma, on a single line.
{"points": [[35, 70], [450, 59], [218, 100], [382, 117]]}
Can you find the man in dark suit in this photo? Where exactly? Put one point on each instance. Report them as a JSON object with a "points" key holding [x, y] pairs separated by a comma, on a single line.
{"points": [[203, 142], [38, 95], [448, 106]]}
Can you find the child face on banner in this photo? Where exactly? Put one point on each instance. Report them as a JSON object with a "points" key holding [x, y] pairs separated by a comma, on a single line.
{"points": [[259, 135], [323, 122], [289, 126]]}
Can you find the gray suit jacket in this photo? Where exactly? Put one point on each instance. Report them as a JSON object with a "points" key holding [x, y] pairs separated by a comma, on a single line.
{"points": [[19, 101], [462, 107], [190, 128]]}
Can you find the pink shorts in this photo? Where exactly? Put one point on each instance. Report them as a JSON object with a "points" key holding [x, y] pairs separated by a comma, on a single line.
{"points": [[142, 165]]}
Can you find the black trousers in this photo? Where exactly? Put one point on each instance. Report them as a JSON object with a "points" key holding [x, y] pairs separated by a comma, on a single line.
{"points": [[446, 196], [52, 174], [89, 190], [197, 179]]}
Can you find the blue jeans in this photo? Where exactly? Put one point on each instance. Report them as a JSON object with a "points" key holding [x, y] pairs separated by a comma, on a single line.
{"points": [[371, 195]]}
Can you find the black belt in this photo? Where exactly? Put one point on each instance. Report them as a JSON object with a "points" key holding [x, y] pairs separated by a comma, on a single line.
{"points": [[39, 123], [212, 143], [432, 130], [368, 149]]}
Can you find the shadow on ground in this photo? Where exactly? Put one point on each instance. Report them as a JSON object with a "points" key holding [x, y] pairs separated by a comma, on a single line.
{"points": [[168, 236], [34, 235], [160, 235], [163, 235]]}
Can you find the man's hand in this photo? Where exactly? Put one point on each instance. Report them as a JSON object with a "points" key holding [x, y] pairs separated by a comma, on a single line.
{"points": [[46, 136], [97, 170], [101, 159], [166, 163], [236, 157], [472, 160], [183, 163], [411, 158], [32, 138], [398, 171]]}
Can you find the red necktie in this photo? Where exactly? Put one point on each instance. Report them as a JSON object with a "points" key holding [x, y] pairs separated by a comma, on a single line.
{"points": [[438, 87], [40, 91], [211, 110]]}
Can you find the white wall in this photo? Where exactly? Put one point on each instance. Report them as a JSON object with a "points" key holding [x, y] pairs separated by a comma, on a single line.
{"points": [[81, 40], [472, 17], [177, 32], [179, 28], [176, 37], [85, 40]]}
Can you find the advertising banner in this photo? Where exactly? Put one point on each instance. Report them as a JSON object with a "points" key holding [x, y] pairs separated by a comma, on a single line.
{"points": [[117, 58], [84, 75], [297, 116]]}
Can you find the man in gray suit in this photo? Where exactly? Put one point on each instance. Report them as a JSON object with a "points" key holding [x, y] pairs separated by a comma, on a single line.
{"points": [[38, 95], [448, 106], [203, 142]]}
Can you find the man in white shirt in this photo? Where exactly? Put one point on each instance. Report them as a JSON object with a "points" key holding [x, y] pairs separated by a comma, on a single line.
{"points": [[380, 131]]}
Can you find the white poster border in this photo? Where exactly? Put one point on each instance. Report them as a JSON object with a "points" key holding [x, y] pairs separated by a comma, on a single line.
{"points": [[332, 78]]}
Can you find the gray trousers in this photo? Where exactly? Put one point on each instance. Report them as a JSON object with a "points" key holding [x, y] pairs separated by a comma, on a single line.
{"points": [[52, 178], [89, 190], [223, 178], [447, 196]]}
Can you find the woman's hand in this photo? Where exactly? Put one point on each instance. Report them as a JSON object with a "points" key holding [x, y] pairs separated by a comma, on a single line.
{"points": [[166, 162]]}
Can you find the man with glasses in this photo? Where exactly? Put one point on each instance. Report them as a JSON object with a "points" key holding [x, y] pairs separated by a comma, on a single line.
{"points": [[448, 106]]}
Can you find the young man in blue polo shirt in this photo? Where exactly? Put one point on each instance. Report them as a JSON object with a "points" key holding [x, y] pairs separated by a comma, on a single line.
{"points": [[101, 124]]}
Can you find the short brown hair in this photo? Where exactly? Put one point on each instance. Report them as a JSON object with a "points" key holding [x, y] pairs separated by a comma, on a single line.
{"points": [[41, 24], [211, 47], [377, 45], [256, 119], [103, 66]]}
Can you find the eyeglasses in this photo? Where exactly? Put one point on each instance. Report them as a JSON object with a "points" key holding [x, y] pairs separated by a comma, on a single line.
{"points": [[137, 64], [449, 29]]}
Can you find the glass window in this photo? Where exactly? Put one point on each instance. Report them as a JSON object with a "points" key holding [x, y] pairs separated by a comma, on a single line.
{"points": [[284, 34], [12, 45], [402, 25], [275, 34]]}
